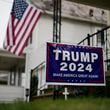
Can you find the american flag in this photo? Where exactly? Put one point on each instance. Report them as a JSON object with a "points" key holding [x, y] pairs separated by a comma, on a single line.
{"points": [[23, 19]]}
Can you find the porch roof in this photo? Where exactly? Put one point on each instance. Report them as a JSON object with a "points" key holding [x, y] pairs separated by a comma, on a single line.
{"points": [[9, 60]]}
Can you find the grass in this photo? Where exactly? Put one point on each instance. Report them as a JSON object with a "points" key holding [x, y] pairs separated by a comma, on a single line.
{"points": [[60, 104]]}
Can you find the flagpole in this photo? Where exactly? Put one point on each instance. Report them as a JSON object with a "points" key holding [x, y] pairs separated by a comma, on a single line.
{"points": [[56, 31]]}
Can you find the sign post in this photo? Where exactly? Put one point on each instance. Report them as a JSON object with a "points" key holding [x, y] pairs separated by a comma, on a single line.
{"points": [[74, 65], [56, 27]]}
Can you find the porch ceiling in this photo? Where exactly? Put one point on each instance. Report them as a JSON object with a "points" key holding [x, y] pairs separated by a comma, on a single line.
{"points": [[97, 3], [9, 61]]}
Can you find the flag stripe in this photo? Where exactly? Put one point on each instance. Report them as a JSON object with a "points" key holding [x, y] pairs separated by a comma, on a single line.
{"points": [[23, 20], [13, 29], [25, 30], [25, 40], [7, 40], [26, 34], [29, 35], [25, 25], [16, 22], [21, 24]]}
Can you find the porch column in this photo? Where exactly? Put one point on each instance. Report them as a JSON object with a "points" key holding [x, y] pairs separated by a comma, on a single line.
{"points": [[27, 72], [16, 78], [8, 78]]}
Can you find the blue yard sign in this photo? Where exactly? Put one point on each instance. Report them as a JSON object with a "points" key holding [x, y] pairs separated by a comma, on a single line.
{"points": [[74, 65]]}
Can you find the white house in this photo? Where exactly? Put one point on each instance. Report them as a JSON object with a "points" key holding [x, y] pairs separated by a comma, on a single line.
{"points": [[77, 21]]}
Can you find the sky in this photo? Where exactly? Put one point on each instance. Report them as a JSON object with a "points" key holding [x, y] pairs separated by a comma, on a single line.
{"points": [[5, 8]]}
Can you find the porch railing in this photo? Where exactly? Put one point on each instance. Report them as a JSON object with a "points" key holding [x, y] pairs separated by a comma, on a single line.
{"points": [[100, 39]]}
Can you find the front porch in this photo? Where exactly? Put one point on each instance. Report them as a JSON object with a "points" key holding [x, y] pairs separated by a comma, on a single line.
{"points": [[12, 76]]}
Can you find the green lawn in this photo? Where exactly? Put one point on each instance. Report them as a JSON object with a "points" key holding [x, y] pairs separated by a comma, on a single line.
{"points": [[60, 104]]}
